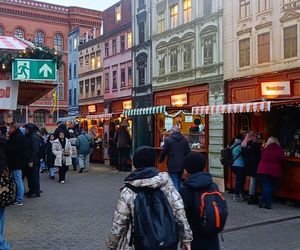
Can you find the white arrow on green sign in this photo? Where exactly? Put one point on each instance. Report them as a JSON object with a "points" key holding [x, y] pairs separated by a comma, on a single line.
{"points": [[33, 69]]}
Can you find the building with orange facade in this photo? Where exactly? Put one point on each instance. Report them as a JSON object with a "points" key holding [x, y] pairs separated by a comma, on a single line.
{"points": [[47, 24]]}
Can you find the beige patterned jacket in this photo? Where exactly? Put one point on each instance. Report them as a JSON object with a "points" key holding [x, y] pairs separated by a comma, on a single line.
{"points": [[119, 237]]}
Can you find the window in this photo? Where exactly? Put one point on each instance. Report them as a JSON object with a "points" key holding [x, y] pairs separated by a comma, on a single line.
{"points": [[114, 46], [208, 50], [129, 39], [122, 48], [75, 96], [244, 52], [141, 32], [263, 48], [87, 59], [290, 41], [70, 71], [161, 62], [70, 97], [244, 8], [19, 33], [75, 43], [1, 31], [141, 73], [129, 76], [39, 117], [106, 81], [187, 56], [106, 49], [115, 86], [141, 3], [81, 61], [173, 60], [187, 10], [58, 42], [161, 22], [81, 87], [39, 38], [174, 16], [123, 85], [207, 7], [93, 60], [75, 71], [98, 55], [118, 13], [87, 87], [99, 83], [93, 86], [263, 5]]}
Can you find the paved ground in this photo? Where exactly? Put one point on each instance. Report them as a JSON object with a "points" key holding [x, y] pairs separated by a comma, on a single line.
{"points": [[78, 215]]}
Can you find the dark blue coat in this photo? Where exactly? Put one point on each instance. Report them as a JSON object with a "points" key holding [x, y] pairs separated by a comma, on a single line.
{"points": [[199, 182]]}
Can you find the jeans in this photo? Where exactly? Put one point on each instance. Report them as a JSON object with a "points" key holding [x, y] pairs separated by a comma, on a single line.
{"points": [[240, 179], [3, 243], [52, 171], [17, 176], [62, 173], [43, 165], [269, 185], [252, 188], [123, 156], [84, 161], [176, 179]]}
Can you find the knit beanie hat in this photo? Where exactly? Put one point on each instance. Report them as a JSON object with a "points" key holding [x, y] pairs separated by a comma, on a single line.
{"points": [[144, 157], [194, 162]]}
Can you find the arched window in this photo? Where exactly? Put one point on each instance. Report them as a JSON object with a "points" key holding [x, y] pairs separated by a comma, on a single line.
{"points": [[19, 33], [1, 31], [39, 117], [58, 42], [39, 38]]}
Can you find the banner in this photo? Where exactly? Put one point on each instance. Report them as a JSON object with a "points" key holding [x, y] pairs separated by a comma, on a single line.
{"points": [[9, 91]]}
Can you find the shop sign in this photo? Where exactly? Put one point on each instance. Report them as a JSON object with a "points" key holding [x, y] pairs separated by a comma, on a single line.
{"points": [[275, 89], [179, 100], [127, 105], [188, 118], [9, 94], [168, 123], [92, 108]]}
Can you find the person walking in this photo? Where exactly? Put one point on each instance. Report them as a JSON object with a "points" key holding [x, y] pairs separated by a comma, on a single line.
{"points": [[147, 177], [251, 151], [270, 170], [112, 149], [176, 147], [238, 168], [15, 156], [124, 144], [32, 160], [43, 137], [73, 140], [84, 143], [50, 157], [62, 150]]}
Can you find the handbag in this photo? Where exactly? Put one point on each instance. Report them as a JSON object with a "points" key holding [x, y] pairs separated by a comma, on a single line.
{"points": [[6, 190]]}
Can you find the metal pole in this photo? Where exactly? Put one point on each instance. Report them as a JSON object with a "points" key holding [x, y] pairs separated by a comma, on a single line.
{"points": [[57, 100]]}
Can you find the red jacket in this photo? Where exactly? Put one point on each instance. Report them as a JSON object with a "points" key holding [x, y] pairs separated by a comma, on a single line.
{"points": [[270, 162]]}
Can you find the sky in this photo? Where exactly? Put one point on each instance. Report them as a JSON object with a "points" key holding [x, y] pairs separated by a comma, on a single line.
{"points": [[90, 4]]}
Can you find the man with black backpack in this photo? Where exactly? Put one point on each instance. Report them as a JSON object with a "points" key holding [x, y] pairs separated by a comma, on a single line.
{"points": [[150, 213], [205, 206]]}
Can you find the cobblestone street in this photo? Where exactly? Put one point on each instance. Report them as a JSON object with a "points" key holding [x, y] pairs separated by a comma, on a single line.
{"points": [[78, 215]]}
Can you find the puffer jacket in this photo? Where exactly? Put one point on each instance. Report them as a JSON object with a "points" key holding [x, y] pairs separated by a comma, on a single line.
{"points": [[148, 177], [57, 150], [237, 154]]}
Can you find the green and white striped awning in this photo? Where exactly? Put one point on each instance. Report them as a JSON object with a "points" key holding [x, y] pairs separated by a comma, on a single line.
{"points": [[145, 111]]}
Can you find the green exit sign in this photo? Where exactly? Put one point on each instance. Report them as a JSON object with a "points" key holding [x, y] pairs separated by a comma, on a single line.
{"points": [[33, 69]]}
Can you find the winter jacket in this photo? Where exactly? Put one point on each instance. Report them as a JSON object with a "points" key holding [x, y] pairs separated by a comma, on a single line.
{"points": [[74, 149], [176, 147], [148, 177], [15, 148], [251, 154], [200, 182], [237, 151], [57, 150], [123, 138], [32, 148], [50, 157], [3, 163], [83, 144], [270, 163]]}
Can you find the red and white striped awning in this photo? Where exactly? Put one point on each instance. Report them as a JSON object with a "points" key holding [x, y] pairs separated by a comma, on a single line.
{"points": [[232, 108], [99, 116], [12, 43]]}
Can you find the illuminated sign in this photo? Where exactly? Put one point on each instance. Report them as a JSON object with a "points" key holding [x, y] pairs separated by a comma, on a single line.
{"points": [[179, 100], [127, 105], [92, 108], [275, 89]]}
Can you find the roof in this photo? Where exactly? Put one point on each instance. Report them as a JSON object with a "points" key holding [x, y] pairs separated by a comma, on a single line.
{"points": [[12, 43]]}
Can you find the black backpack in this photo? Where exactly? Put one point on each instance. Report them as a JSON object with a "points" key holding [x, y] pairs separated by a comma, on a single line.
{"points": [[154, 225], [226, 156], [6, 190], [210, 212]]}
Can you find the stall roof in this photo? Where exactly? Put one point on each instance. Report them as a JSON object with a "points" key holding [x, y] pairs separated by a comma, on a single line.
{"points": [[145, 111], [13, 43]]}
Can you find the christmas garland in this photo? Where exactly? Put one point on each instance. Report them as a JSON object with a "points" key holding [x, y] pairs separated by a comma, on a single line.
{"points": [[6, 58]]}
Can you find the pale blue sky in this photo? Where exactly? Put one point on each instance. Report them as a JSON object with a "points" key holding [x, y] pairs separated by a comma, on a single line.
{"points": [[90, 4]]}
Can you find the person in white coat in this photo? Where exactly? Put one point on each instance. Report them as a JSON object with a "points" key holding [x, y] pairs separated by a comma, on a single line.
{"points": [[62, 150]]}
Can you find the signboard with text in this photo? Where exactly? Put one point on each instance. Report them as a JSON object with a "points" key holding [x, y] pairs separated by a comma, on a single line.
{"points": [[9, 94], [34, 70], [179, 100], [276, 89]]}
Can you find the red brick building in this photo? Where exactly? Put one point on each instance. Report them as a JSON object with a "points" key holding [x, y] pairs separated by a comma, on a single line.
{"points": [[47, 24]]}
